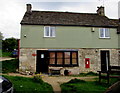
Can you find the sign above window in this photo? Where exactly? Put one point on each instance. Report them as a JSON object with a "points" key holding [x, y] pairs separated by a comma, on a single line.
{"points": [[49, 31]]}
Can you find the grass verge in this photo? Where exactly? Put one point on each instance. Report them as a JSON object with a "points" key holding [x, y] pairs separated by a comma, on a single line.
{"points": [[9, 66], [80, 86], [6, 54], [29, 85]]}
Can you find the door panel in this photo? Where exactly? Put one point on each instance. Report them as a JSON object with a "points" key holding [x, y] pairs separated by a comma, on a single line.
{"points": [[42, 61], [104, 60]]}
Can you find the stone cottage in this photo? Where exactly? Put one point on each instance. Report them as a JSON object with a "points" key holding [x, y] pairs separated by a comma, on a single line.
{"points": [[77, 42]]}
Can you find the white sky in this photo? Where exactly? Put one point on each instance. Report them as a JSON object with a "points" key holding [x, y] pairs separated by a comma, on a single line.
{"points": [[12, 11]]}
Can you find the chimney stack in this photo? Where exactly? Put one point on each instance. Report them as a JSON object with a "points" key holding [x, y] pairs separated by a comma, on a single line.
{"points": [[119, 10], [101, 11], [29, 7]]}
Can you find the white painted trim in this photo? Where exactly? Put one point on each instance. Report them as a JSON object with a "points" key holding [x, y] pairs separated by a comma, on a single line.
{"points": [[49, 31], [45, 30], [104, 33]]}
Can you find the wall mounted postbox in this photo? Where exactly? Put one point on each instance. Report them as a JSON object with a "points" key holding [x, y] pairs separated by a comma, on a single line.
{"points": [[87, 62]]}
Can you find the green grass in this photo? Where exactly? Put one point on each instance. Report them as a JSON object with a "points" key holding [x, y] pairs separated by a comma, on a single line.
{"points": [[0, 52], [9, 66], [29, 85], [80, 86], [6, 54]]}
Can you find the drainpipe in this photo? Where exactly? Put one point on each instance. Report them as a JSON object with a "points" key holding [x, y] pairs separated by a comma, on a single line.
{"points": [[18, 47]]}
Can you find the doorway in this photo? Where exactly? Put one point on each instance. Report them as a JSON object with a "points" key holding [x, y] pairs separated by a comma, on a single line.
{"points": [[105, 60], [42, 61]]}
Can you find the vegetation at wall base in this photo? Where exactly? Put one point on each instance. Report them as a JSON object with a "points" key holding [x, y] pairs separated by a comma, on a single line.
{"points": [[85, 74], [10, 66], [29, 85], [81, 86]]}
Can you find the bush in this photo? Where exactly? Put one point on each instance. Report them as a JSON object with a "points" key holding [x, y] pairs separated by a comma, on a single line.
{"points": [[38, 79], [89, 74], [76, 81]]}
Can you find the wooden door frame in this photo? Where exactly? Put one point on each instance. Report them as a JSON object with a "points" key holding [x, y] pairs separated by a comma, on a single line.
{"points": [[39, 64], [107, 61]]}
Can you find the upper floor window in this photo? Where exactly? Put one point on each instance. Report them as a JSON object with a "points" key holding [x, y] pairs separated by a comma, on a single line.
{"points": [[104, 33], [49, 31]]}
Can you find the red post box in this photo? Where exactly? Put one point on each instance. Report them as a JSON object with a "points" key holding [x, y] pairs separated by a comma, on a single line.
{"points": [[87, 62]]}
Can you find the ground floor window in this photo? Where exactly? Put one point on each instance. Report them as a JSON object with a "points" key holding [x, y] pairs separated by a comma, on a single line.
{"points": [[63, 58]]}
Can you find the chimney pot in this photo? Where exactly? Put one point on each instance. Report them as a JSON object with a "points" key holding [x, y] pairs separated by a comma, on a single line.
{"points": [[101, 11], [29, 7]]}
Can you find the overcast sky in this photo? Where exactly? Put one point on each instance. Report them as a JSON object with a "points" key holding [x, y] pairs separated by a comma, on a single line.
{"points": [[12, 11]]}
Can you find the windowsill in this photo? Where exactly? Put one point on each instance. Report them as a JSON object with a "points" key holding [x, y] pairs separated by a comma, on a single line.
{"points": [[104, 38], [48, 37]]}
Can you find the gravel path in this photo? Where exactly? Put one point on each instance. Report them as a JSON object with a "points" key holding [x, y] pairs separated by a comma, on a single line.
{"points": [[5, 58], [56, 81]]}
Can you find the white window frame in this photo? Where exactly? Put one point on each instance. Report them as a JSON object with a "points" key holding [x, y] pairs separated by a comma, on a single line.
{"points": [[104, 32], [53, 35]]}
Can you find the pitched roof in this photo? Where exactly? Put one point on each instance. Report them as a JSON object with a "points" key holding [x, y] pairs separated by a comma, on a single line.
{"points": [[67, 18]]}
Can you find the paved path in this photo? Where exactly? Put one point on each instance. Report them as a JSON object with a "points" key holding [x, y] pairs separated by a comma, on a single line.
{"points": [[56, 81], [5, 58]]}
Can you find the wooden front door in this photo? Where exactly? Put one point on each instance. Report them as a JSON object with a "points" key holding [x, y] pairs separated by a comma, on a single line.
{"points": [[105, 60], [42, 61]]}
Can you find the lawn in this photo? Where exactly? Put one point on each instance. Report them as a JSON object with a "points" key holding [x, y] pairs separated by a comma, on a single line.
{"points": [[6, 54], [23, 84], [9, 66], [80, 86], [29, 85]]}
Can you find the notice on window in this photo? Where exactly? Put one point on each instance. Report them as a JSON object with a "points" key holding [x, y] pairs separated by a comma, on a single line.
{"points": [[42, 55]]}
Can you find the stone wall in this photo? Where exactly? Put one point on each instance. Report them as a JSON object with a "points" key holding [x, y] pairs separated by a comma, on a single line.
{"points": [[93, 55], [28, 60], [119, 57], [114, 57], [71, 70], [95, 59]]}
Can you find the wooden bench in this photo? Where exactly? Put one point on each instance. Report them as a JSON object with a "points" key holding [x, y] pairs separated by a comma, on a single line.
{"points": [[55, 71], [111, 70]]}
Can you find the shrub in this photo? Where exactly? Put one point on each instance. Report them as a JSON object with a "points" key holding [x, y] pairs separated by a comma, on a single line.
{"points": [[91, 74], [37, 79], [76, 81]]}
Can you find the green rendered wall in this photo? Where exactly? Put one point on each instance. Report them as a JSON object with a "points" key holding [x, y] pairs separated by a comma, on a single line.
{"points": [[66, 37]]}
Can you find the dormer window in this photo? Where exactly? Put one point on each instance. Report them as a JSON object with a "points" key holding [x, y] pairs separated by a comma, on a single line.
{"points": [[49, 31], [104, 33]]}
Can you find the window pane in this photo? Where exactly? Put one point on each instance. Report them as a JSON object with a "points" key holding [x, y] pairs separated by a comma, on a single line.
{"points": [[52, 61], [67, 61], [101, 32], [67, 54], [107, 34], [52, 31], [59, 61], [74, 55], [59, 55], [52, 54], [74, 61], [46, 32]]}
